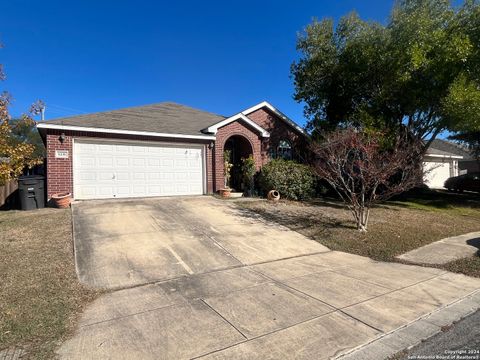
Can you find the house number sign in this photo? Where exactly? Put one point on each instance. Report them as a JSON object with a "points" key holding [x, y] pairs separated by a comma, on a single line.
{"points": [[61, 154]]}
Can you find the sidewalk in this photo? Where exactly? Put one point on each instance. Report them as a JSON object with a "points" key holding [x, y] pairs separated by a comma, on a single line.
{"points": [[445, 250]]}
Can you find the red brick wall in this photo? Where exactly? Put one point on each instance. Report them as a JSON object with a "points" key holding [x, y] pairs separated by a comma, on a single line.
{"points": [[223, 134], [209, 169], [279, 130], [60, 171]]}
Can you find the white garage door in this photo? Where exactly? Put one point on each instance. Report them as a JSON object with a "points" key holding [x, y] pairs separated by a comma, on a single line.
{"points": [[106, 169], [437, 173]]}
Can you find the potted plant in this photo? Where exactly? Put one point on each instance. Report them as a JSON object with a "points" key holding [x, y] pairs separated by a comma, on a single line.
{"points": [[62, 200], [227, 168]]}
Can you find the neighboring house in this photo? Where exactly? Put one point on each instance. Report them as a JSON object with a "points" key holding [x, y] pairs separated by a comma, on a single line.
{"points": [[162, 149], [445, 159]]}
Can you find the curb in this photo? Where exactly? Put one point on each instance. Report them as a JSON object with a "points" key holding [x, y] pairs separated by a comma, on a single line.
{"points": [[410, 335]]}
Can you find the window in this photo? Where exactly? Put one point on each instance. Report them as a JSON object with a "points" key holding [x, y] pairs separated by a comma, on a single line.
{"points": [[284, 150]]}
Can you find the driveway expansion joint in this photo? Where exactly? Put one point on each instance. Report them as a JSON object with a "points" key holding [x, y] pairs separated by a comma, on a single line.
{"points": [[224, 319]]}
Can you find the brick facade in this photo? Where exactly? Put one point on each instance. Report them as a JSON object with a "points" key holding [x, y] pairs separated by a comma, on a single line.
{"points": [[225, 133], [279, 130], [60, 171]]}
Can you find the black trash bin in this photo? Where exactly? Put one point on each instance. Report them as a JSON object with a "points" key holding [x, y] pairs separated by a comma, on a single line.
{"points": [[31, 190]]}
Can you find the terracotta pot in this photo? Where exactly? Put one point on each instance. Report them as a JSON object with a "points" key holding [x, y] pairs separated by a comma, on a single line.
{"points": [[273, 195], [225, 193], [62, 201]]}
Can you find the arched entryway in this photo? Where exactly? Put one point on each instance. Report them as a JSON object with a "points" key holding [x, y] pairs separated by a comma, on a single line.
{"points": [[238, 147]]}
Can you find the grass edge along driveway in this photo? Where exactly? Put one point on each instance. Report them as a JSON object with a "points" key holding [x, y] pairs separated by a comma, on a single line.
{"points": [[398, 226], [40, 296]]}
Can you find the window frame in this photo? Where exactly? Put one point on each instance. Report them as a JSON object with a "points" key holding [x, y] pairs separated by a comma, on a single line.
{"points": [[281, 149]]}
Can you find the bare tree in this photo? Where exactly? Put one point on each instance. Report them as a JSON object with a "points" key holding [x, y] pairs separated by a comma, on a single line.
{"points": [[365, 168]]}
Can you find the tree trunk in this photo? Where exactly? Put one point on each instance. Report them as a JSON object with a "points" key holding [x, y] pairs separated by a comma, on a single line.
{"points": [[362, 219]]}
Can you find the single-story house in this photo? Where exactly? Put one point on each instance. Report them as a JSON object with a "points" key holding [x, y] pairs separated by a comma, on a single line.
{"points": [[162, 149], [445, 159]]}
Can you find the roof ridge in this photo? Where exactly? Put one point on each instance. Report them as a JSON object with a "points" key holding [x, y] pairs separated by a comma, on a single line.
{"points": [[106, 112]]}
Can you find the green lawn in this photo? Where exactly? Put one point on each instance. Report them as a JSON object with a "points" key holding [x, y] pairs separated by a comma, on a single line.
{"points": [[396, 227], [40, 296], [465, 204]]}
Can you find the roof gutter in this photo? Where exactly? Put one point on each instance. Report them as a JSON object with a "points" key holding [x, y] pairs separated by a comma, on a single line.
{"points": [[444, 156], [123, 132]]}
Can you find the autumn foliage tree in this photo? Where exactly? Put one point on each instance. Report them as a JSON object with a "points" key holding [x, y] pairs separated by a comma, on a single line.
{"points": [[366, 168], [14, 156]]}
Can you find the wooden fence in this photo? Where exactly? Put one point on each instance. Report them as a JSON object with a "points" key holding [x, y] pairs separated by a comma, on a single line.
{"points": [[8, 195]]}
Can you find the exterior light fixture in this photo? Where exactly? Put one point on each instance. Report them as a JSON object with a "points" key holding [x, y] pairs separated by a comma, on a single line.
{"points": [[211, 145], [62, 138]]}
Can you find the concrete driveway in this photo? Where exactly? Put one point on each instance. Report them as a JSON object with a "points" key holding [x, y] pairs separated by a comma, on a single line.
{"points": [[121, 244], [200, 278]]}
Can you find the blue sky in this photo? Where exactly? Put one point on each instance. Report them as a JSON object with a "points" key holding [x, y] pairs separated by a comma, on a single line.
{"points": [[220, 56]]}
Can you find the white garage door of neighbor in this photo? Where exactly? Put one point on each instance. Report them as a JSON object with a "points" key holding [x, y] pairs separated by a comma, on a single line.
{"points": [[437, 173], [103, 170]]}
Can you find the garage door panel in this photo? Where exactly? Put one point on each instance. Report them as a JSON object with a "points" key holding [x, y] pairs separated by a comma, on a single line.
{"points": [[107, 170], [87, 191], [106, 175], [154, 189], [181, 176], [87, 176], [139, 176], [86, 162], [123, 191], [105, 148], [106, 190], [138, 162], [122, 162], [154, 162], [121, 149], [122, 176], [105, 161], [139, 149], [139, 190]]}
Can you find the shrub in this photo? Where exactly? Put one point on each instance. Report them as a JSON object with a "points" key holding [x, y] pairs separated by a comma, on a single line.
{"points": [[293, 180], [248, 174]]}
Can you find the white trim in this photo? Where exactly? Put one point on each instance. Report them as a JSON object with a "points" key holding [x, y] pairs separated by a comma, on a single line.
{"points": [[204, 164], [240, 116], [73, 169], [277, 112], [124, 132], [443, 156], [129, 141]]}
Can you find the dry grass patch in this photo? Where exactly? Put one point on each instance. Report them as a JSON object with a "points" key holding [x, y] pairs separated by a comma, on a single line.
{"points": [[40, 296], [394, 228]]}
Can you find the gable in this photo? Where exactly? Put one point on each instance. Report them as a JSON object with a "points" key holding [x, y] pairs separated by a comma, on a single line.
{"points": [[275, 125], [266, 109], [240, 117], [263, 117]]}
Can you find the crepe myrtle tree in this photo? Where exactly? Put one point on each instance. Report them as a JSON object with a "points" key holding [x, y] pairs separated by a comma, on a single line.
{"points": [[365, 168]]}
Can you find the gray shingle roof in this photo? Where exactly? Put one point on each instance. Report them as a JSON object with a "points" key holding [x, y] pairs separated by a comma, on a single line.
{"points": [[443, 147], [165, 117]]}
